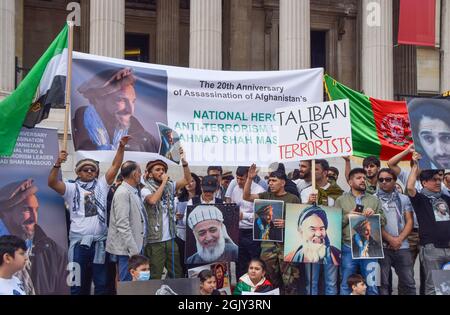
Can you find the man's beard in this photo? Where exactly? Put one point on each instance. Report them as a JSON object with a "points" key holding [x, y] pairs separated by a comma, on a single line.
{"points": [[211, 254], [313, 252]]}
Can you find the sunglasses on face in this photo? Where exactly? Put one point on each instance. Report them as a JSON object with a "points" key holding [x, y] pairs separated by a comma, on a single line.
{"points": [[88, 169], [387, 179]]}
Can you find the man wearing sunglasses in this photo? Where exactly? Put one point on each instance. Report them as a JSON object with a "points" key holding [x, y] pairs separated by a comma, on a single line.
{"points": [[399, 223], [434, 233], [86, 198]]}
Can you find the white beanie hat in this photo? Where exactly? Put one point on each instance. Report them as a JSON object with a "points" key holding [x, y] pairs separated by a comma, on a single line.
{"points": [[202, 213]]}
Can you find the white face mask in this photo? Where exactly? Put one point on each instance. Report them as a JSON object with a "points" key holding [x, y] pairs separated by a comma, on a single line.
{"points": [[144, 276]]}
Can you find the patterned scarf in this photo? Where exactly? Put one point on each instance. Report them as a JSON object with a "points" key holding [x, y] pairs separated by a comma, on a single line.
{"points": [[95, 199], [98, 132], [167, 202], [389, 198]]}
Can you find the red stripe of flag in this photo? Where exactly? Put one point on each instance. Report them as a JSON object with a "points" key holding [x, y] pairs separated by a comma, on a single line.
{"points": [[417, 22], [393, 129]]}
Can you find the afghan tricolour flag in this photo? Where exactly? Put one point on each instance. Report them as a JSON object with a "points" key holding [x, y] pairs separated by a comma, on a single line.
{"points": [[379, 128], [31, 101]]}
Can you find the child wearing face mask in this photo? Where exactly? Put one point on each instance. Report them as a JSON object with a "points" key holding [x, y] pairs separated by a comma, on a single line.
{"points": [[254, 280], [207, 283], [139, 268]]}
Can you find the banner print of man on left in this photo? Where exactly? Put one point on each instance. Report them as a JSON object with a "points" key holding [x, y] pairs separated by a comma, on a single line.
{"points": [[111, 101], [31, 211]]}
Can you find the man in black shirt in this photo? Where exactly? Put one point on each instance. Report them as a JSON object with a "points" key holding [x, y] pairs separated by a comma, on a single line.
{"points": [[434, 231]]}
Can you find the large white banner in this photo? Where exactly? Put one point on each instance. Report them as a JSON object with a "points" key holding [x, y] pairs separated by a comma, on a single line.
{"points": [[219, 117], [314, 131]]}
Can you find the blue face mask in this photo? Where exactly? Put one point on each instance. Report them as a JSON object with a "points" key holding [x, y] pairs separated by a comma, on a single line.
{"points": [[144, 276]]}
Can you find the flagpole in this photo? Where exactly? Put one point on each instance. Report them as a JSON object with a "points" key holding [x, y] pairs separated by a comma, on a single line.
{"points": [[68, 84], [313, 176]]}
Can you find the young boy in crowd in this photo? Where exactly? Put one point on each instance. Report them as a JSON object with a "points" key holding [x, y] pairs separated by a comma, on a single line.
{"points": [[139, 267], [208, 284], [357, 284], [13, 258]]}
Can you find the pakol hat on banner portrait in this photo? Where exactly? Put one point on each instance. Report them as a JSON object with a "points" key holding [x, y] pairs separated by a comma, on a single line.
{"points": [[266, 209], [107, 82], [14, 193]]}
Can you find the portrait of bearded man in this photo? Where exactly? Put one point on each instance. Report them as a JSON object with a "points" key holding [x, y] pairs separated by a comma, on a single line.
{"points": [[212, 240], [315, 245]]}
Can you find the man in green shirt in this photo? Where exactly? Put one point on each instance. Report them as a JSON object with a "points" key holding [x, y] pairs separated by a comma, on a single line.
{"points": [[371, 205], [283, 275]]}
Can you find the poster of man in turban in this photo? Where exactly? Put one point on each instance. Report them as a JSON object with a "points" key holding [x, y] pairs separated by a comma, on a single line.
{"points": [[313, 234], [212, 233]]}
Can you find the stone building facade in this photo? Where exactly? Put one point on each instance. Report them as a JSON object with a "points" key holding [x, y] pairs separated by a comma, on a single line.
{"points": [[354, 40]]}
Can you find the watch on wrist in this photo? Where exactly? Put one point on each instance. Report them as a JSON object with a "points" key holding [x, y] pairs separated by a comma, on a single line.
{"points": [[56, 166]]}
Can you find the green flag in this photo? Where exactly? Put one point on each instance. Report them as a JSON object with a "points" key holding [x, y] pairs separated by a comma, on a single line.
{"points": [[43, 86]]}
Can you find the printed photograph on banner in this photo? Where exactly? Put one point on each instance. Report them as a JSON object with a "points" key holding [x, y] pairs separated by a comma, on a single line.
{"points": [[32, 211], [266, 212], [181, 286], [365, 234], [110, 100], [212, 233], [441, 280], [320, 131], [170, 143], [441, 211], [430, 126], [221, 273], [313, 234]]}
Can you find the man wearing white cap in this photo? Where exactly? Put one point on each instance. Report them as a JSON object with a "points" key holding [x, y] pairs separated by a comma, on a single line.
{"points": [[213, 242]]}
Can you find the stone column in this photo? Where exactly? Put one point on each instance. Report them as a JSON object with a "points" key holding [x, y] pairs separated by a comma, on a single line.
{"points": [[295, 34], [205, 42], [7, 46], [377, 49], [107, 28], [445, 46], [168, 32], [240, 34]]}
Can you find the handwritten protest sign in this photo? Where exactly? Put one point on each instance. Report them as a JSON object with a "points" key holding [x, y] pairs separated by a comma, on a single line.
{"points": [[314, 131]]}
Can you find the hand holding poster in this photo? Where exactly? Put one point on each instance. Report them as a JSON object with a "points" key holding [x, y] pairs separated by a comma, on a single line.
{"points": [[314, 131]]}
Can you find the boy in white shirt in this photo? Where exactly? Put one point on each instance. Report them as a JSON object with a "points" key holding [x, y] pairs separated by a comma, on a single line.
{"points": [[13, 258]]}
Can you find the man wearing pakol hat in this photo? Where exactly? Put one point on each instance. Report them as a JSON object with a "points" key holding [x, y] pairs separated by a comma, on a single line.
{"points": [[158, 196], [109, 115], [264, 226], [45, 271], [212, 239], [315, 245], [86, 199]]}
